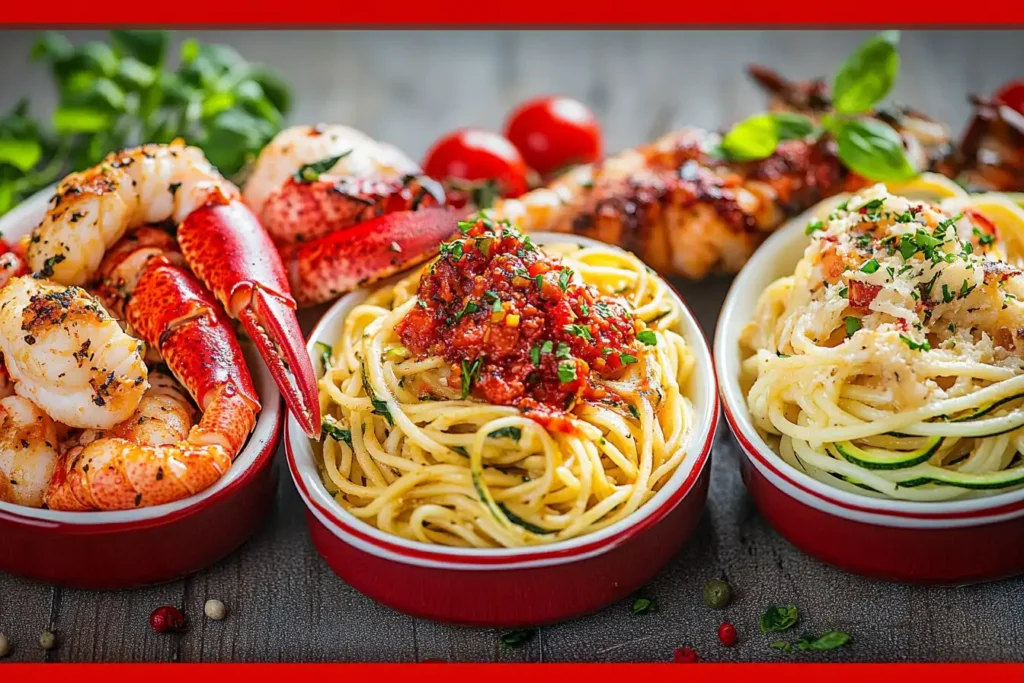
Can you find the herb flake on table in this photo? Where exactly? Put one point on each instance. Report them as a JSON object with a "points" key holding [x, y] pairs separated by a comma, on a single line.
{"points": [[778, 618]]}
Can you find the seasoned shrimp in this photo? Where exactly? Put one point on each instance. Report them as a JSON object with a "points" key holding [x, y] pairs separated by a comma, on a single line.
{"points": [[68, 356], [164, 416], [28, 451], [216, 236]]}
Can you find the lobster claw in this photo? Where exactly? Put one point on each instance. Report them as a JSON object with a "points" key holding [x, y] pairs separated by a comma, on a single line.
{"points": [[231, 253]]}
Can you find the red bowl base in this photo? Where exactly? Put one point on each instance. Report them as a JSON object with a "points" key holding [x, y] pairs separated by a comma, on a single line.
{"points": [[515, 597], [114, 556], [948, 556]]}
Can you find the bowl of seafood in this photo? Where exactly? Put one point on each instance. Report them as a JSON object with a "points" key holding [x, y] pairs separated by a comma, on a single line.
{"points": [[869, 366], [148, 337]]}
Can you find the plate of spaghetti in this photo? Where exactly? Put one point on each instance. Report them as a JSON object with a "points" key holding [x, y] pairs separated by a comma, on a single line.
{"points": [[875, 370], [521, 402]]}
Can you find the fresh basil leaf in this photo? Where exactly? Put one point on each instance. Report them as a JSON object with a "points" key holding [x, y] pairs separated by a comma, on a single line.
{"points": [[70, 120], [514, 433], [134, 75], [778, 618], [217, 102], [751, 139], [826, 641], [330, 427], [273, 87], [867, 75], [644, 606], [872, 149], [149, 47], [792, 126], [98, 58], [22, 154], [52, 47]]}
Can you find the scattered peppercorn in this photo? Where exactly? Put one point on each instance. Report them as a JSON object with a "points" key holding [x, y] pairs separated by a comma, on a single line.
{"points": [[685, 655], [717, 594], [47, 640], [215, 609], [5, 645], [167, 619], [727, 634]]}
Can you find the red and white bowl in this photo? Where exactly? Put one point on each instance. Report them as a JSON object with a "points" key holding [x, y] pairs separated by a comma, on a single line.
{"points": [[518, 586], [121, 549], [952, 542]]}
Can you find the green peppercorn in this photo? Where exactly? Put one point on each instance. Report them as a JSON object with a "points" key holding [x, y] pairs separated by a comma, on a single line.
{"points": [[717, 594]]}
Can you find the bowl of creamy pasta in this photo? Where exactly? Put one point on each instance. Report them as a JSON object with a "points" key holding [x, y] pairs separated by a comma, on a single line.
{"points": [[871, 363], [515, 433]]}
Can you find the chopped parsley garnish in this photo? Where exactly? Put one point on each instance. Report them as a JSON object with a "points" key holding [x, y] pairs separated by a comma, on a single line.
{"points": [[535, 355], [452, 251], [603, 309], [567, 371], [469, 372], [852, 325], [466, 226], [965, 290], [579, 331], [947, 295], [984, 238], [870, 267], [540, 281], [813, 227], [309, 173], [647, 337], [514, 433], [563, 278], [627, 359], [915, 346], [584, 309], [471, 307], [873, 205], [330, 427], [844, 292]]}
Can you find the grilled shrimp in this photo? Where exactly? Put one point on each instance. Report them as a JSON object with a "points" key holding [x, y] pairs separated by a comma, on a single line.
{"points": [[164, 416], [371, 214], [681, 210], [28, 451], [68, 356], [217, 236]]}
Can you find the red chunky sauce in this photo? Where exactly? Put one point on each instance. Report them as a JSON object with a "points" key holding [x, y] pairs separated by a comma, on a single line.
{"points": [[517, 325]]}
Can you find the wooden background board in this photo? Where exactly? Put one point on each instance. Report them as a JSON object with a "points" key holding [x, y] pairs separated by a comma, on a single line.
{"points": [[408, 88]]}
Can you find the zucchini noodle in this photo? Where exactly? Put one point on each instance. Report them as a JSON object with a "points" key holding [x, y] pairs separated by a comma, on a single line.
{"points": [[403, 451], [891, 362]]}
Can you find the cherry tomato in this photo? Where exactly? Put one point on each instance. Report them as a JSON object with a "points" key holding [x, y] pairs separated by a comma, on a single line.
{"points": [[477, 156], [727, 634], [553, 133], [1012, 95]]}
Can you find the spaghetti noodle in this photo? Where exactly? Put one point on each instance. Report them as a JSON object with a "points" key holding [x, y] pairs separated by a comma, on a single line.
{"points": [[890, 363], [507, 395]]}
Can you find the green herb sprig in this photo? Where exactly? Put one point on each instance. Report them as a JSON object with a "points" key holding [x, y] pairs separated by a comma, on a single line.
{"points": [[865, 145], [123, 92]]}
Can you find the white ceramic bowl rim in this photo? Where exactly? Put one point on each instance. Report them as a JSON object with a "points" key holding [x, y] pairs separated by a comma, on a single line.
{"points": [[705, 401], [18, 222], [776, 258]]}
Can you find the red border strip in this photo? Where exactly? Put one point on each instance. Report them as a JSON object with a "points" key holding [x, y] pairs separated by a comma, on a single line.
{"points": [[516, 673], [754, 453], [536, 13]]}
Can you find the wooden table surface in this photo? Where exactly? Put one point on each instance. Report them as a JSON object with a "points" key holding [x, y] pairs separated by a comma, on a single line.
{"points": [[408, 88]]}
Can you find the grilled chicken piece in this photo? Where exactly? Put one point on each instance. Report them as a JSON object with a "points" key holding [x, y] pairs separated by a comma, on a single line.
{"points": [[680, 209]]}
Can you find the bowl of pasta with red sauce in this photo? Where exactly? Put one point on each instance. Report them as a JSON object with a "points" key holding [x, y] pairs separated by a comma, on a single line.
{"points": [[137, 533], [515, 433], [871, 366]]}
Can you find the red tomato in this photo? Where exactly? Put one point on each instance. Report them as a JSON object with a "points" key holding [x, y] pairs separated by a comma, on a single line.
{"points": [[477, 155], [1012, 95], [553, 133]]}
